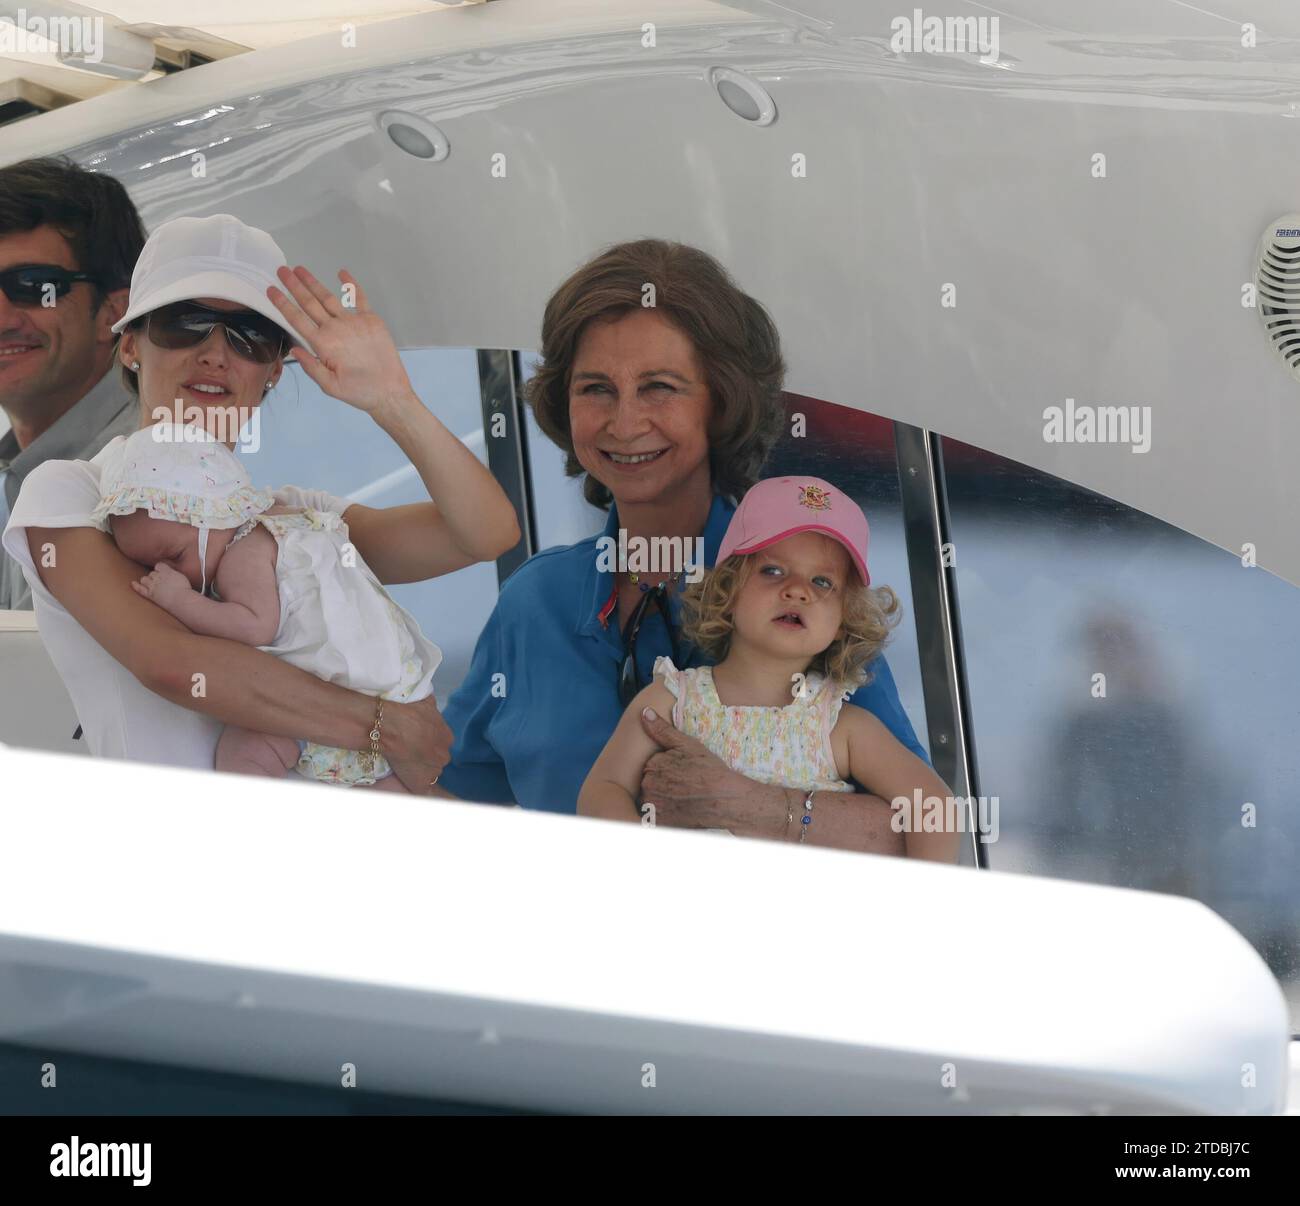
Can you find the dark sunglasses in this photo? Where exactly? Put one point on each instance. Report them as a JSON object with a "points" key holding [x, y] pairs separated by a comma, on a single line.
{"points": [[629, 677], [187, 324], [32, 284]]}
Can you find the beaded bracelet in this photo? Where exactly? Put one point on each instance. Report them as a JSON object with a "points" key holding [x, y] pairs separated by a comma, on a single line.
{"points": [[806, 819]]}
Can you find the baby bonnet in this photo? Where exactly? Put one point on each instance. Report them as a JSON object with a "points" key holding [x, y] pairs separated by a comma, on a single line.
{"points": [[180, 472]]}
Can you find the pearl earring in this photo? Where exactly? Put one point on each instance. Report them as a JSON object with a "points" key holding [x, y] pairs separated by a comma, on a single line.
{"points": [[135, 366]]}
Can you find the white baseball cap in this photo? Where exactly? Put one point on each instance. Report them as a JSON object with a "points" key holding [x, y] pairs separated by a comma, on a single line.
{"points": [[217, 256]]}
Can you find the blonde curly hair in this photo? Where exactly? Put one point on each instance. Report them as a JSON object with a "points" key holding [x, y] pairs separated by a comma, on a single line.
{"points": [[869, 614]]}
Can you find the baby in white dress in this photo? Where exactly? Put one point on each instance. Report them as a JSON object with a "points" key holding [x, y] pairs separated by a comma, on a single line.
{"points": [[284, 580]]}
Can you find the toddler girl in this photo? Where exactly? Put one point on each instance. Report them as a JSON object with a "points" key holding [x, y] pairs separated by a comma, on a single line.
{"points": [[284, 580], [789, 616]]}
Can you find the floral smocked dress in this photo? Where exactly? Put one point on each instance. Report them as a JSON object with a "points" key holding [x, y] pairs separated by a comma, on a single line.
{"points": [[789, 746]]}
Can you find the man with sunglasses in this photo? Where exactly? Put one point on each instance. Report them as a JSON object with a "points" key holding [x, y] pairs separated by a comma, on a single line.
{"points": [[69, 239]]}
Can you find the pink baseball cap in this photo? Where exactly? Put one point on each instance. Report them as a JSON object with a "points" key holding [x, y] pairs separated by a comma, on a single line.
{"points": [[778, 507]]}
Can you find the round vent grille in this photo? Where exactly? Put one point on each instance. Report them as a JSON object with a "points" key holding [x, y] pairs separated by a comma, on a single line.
{"points": [[415, 135], [1277, 283], [743, 95]]}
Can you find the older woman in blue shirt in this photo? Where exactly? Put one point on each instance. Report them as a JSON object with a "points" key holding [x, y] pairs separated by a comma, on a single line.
{"points": [[661, 381]]}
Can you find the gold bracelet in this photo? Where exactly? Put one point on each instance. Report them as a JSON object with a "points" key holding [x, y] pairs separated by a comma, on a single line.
{"points": [[373, 755]]}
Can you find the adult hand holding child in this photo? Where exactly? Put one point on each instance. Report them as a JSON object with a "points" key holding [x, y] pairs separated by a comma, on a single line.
{"points": [[692, 788]]}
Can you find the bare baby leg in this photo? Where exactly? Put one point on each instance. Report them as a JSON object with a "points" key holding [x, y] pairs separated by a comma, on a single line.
{"points": [[391, 783], [245, 752]]}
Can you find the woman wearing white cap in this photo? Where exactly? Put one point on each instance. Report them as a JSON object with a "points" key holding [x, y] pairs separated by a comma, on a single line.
{"points": [[207, 329]]}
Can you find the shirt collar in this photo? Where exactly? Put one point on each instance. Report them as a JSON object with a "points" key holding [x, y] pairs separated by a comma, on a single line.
{"points": [[601, 597], [71, 434]]}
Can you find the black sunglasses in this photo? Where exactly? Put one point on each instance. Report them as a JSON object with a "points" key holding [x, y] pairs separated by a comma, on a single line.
{"points": [[187, 324], [33, 284], [629, 677]]}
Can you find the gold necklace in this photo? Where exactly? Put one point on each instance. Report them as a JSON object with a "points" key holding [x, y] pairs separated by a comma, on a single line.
{"points": [[635, 579]]}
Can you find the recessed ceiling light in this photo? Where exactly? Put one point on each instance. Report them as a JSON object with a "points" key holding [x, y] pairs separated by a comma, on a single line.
{"points": [[743, 95], [415, 135]]}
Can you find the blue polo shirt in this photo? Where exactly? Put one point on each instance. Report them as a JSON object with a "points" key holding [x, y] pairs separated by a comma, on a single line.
{"points": [[541, 697]]}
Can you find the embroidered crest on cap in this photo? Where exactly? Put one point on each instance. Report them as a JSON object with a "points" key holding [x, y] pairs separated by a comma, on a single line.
{"points": [[814, 498]]}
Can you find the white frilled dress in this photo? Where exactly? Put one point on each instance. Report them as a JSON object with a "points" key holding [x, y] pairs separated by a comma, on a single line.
{"points": [[338, 623]]}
